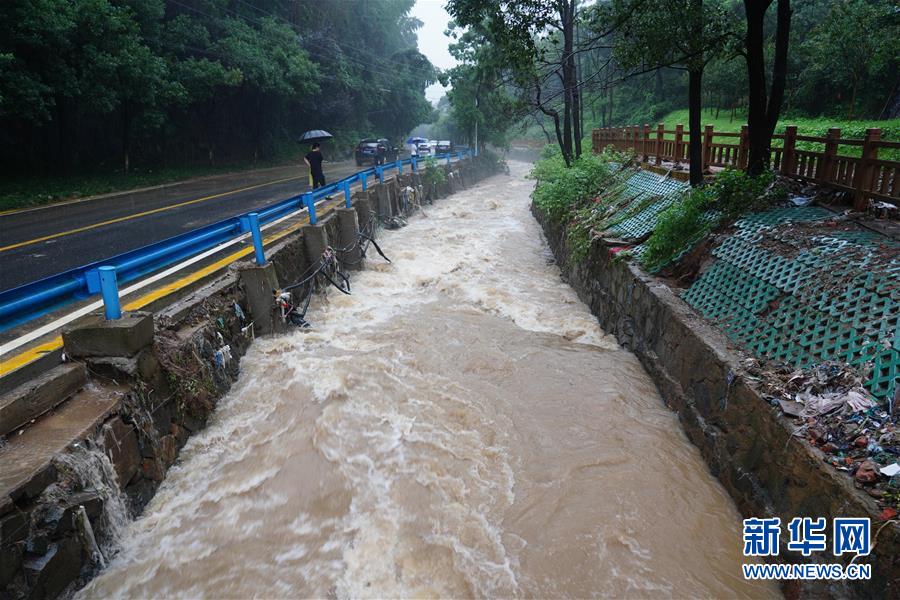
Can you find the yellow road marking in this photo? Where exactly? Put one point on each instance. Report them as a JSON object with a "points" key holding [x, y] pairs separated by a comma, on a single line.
{"points": [[34, 353], [142, 214], [30, 355]]}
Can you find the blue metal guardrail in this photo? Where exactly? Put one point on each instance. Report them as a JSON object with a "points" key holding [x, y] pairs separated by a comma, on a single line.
{"points": [[26, 302]]}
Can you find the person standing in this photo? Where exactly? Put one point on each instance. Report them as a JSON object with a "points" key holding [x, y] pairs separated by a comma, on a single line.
{"points": [[314, 160]]}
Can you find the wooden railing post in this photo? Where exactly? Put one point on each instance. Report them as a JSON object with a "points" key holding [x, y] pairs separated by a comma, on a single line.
{"points": [[660, 134], [862, 179], [646, 141], [825, 168], [788, 155], [743, 148], [707, 147], [679, 142]]}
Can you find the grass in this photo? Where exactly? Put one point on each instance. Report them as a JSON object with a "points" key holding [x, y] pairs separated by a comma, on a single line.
{"points": [[890, 128], [816, 127], [21, 191]]}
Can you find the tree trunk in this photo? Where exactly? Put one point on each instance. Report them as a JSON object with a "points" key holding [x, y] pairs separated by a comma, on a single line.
{"points": [[609, 119], [555, 116], [763, 111], [695, 95], [695, 109], [852, 99], [568, 75]]}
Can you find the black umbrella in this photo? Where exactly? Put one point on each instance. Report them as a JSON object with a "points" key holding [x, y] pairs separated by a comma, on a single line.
{"points": [[315, 135]]}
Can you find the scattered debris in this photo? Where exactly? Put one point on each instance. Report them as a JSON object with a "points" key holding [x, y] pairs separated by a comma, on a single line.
{"points": [[834, 413]]}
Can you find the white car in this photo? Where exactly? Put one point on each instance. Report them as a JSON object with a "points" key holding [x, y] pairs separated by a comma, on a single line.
{"points": [[425, 149]]}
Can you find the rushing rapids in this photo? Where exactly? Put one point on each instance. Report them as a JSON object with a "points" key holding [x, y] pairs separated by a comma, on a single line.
{"points": [[460, 426]]}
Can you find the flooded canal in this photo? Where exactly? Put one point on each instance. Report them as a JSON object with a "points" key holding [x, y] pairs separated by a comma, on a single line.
{"points": [[458, 427]]}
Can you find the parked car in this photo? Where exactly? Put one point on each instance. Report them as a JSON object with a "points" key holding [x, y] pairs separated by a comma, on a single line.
{"points": [[376, 151], [443, 147]]}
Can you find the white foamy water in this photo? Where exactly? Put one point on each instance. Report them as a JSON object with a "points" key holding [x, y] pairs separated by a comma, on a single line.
{"points": [[459, 426]]}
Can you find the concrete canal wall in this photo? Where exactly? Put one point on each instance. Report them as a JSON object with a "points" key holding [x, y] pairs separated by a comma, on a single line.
{"points": [[109, 423]]}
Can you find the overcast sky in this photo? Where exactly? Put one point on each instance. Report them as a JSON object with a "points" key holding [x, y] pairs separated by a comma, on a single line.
{"points": [[432, 41]]}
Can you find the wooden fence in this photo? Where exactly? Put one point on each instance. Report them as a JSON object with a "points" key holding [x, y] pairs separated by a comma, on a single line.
{"points": [[865, 176]]}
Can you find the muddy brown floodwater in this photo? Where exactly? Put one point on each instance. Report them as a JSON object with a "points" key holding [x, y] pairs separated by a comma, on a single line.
{"points": [[460, 426]]}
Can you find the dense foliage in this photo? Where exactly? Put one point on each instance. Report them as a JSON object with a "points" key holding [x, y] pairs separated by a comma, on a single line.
{"points": [[731, 194], [86, 83], [559, 190], [843, 62]]}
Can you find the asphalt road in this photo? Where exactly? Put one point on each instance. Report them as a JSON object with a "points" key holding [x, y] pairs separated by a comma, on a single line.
{"points": [[44, 241]]}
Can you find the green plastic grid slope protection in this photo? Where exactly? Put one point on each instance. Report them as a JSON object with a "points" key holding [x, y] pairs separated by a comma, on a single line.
{"points": [[643, 185], [803, 295]]}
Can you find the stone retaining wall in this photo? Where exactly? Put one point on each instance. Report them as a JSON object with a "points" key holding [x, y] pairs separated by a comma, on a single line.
{"points": [[747, 443]]}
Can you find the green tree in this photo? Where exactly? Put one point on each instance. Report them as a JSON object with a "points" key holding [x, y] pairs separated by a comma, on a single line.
{"points": [[856, 43], [516, 30], [685, 34], [482, 107]]}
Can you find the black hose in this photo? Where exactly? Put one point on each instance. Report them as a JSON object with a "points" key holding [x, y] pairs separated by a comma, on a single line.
{"points": [[334, 283], [378, 248]]}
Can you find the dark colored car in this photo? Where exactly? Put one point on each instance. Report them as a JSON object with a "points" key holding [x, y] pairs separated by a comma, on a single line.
{"points": [[443, 147], [375, 151]]}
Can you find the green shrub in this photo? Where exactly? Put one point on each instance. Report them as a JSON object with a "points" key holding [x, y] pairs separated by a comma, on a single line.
{"points": [[495, 161], [736, 193], [678, 226], [733, 193], [560, 189], [434, 174]]}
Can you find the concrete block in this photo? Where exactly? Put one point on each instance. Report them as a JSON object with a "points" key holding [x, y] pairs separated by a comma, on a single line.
{"points": [[259, 283], [34, 398], [123, 337], [315, 240], [393, 186], [383, 201], [362, 202], [348, 234]]}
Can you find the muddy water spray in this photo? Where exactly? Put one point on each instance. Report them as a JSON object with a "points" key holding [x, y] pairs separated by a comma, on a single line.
{"points": [[459, 426]]}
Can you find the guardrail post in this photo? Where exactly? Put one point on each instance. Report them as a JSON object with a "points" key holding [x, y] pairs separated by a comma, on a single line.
{"points": [[414, 163], [744, 147], [110, 290], [379, 172], [363, 177], [399, 167], [448, 158], [826, 164], [788, 153], [679, 142], [660, 136], [864, 174], [253, 222], [310, 206], [347, 200], [707, 147]]}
